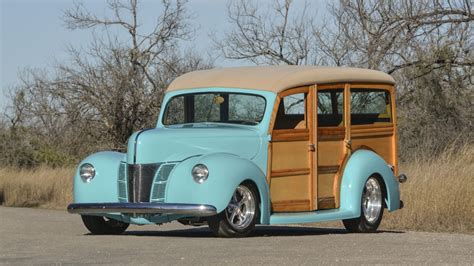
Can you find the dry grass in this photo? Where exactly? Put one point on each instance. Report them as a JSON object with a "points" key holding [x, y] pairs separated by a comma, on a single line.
{"points": [[42, 187], [438, 195]]}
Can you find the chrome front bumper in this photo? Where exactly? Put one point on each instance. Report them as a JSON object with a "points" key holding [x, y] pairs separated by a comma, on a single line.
{"points": [[194, 210]]}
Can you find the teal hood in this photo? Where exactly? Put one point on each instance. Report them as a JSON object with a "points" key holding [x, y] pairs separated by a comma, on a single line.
{"points": [[178, 143]]}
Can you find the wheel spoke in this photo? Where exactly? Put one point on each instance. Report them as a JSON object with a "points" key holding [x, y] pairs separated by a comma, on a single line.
{"points": [[241, 209], [372, 200]]}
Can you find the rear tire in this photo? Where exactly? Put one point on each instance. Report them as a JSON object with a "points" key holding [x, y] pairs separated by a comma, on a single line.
{"points": [[371, 210], [99, 225], [238, 219]]}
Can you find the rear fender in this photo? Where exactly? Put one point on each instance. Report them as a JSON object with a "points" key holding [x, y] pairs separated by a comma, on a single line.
{"points": [[361, 165]]}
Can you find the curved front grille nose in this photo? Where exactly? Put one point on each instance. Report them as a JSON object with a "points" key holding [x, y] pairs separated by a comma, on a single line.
{"points": [[140, 180]]}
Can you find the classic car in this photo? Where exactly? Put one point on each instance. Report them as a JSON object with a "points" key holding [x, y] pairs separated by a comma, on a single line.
{"points": [[236, 147]]}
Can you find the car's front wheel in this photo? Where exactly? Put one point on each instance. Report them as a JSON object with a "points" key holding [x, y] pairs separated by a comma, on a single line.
{"points": [[371, 209], [99, 225], [240, 216]]}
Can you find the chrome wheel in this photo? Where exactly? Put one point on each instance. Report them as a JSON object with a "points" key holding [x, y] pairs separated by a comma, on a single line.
{"points": [[241, 209], [372, 200]]}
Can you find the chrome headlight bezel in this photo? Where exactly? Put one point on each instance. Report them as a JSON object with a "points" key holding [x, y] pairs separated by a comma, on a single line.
{"points": [[87, 172], [200, 173]]}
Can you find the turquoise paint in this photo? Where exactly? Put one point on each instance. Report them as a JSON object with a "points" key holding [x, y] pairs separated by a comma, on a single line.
{"points": [[103, 187], [233, 154], [311, 217], [226, 172], [361, 165], [176, 144]]}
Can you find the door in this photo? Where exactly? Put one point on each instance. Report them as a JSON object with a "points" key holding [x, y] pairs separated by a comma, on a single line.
{"points": [[333, 142], [291, 152]]}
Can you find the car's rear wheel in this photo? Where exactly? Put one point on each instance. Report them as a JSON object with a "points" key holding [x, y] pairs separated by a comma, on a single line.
{"points": [[240, 216], [99, 225], [371, 209]]}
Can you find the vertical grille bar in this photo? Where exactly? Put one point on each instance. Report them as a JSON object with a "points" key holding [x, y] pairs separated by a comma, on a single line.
{"points": [[140, 180]]}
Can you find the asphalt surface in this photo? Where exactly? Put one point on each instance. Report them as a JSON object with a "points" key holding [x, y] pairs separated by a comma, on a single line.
{"points": [[35, 236]]}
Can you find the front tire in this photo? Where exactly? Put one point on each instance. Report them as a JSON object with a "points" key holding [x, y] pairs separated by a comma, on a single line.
{"points": [[371, 209], [238, 219], [99, 225]]}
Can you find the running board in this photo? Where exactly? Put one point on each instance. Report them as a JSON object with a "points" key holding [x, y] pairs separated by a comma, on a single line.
{"points": [[311, 217]]}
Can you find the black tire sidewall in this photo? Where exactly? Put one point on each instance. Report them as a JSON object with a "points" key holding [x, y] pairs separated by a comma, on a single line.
{"points": [[360, 224], [221, 226], [97, 225]]}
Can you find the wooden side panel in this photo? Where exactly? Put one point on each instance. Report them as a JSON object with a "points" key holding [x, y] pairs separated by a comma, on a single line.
{"points": [[325, 184], [380, 144], [290, 176], [290, 193], [289, 155], [289, 162], [330, 152]]}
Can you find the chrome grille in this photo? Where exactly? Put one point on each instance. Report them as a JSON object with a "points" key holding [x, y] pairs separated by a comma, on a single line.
{"points": [[140, 179], [160, 181], [122, 183]]}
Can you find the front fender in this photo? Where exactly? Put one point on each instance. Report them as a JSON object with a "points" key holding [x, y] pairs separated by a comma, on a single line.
{"points": [[361, 165], [103, 187], [226, 172]]}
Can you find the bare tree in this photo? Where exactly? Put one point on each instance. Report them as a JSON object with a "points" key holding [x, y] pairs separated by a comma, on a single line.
{"points": [[427, 45], [391, 35], [281, 36], [111, 88]]}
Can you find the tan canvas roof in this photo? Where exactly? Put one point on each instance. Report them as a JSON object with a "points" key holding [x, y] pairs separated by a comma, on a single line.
{"points": [[276, 78]]}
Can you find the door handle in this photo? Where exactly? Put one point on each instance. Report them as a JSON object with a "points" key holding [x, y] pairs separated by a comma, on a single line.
{"points": [[312, 147]]}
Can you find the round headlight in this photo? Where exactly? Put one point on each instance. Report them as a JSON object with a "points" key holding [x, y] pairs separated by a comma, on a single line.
{"points": [[87, 172], [200, 173]]}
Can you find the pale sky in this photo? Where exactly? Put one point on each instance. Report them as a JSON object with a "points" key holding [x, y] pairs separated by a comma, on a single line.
{"points": [[33, 32]]}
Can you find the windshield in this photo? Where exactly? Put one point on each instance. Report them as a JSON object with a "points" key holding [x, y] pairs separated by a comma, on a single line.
{"points": [[218, 107]]}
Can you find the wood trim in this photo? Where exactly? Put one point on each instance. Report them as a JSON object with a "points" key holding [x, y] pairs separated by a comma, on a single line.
{"points": [[338, 180], [303, 89], [331, 86], [290, 205], [372, 86], [290, 135], [354, 127], [328, 169], [290, 172], [347, 117], [312, 123], [326, 203], [331, 133], [331, 138], [395, 131], [372, 132], [269, 163]]}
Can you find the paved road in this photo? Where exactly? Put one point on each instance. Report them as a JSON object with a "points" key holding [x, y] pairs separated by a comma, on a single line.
{"points": [[34, 236]]}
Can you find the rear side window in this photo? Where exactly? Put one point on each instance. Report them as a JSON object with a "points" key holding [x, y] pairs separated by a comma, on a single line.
{"points": [[330, 108], [370, 107]]}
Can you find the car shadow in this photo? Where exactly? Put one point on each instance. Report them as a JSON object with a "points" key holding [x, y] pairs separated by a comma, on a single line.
{"points": [[260, 231]]}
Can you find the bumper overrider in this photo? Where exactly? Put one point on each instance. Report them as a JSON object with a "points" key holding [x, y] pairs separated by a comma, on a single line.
{"points": [[194, 210]]}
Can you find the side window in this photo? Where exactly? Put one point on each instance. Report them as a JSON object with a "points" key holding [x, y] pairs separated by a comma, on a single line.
{"points": [[370, 107], [291, 112], [330, 108]]}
